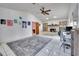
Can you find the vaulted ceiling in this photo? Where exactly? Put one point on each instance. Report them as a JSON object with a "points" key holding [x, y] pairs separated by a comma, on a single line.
{"points": [[58, 10]]}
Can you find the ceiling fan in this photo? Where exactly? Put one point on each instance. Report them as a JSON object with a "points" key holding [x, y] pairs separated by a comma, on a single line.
{"points": [[45, 12]]}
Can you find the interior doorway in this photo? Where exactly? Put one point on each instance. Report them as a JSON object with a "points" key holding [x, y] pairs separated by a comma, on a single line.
{"points": [[45, 27], [35, 28]]}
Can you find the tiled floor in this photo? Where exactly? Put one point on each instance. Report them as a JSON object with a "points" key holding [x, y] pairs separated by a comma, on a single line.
{"points": [[5, 50], [51, 49], [49, 33]]}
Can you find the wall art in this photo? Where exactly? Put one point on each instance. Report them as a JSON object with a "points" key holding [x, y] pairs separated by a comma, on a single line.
{"points": [[9, 22], [2, 21], [29, 23], [20, 17], [24, 24], [15, 21]]}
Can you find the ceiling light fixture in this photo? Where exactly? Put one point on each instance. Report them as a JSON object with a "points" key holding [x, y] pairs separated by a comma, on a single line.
{"points": [[47, 18]]}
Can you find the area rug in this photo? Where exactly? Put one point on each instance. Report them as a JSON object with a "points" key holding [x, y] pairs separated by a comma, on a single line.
{"points": [[28, 46]]}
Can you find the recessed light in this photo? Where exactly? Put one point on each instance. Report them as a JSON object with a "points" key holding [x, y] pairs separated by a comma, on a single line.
{"points": [[47, 18]]}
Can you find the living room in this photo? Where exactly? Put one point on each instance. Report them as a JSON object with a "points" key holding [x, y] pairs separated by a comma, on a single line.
{"points": [[33, 29]]}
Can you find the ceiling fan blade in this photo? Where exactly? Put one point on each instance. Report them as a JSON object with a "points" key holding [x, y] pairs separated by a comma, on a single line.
{"points": [[47, 13], [44, 14], [41, 9], [48, 10]]}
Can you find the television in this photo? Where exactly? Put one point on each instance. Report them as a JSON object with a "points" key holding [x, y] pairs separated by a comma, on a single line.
{"points": [[68, 28]]}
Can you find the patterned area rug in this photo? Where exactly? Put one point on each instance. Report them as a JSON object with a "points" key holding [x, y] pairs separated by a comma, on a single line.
{"points": [[28, 46]]}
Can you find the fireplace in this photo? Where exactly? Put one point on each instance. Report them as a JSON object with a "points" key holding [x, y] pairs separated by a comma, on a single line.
{"points": [[52, 30]]}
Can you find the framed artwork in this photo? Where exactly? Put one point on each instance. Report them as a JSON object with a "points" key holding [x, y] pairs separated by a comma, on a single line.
{"points": [[9, 22], [20, 17], [15, 21], [2, 21], [29, 23], [24, 24]]}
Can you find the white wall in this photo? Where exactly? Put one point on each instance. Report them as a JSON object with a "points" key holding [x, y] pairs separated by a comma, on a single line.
{"points": [[15, 32], [73, 9], [78, 15]]}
